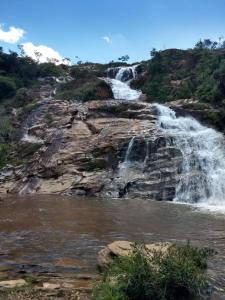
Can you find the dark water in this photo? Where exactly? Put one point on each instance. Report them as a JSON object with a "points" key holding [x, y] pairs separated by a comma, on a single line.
{"points": [[56, 234]]}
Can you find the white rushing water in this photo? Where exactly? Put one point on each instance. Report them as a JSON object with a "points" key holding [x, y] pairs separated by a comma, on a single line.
{"points": [[202, 178], [28, 138], [121, 84]]}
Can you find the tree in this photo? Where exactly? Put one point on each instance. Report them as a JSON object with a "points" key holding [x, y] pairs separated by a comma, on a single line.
{"points": [[153, 52], [66, 60], [21, 49], [199, 45], [37, 55], [207, 43], [214, 45], [124, 58]]}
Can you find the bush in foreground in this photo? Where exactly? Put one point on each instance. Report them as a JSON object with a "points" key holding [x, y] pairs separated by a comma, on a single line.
{"points": [[150, 275]]}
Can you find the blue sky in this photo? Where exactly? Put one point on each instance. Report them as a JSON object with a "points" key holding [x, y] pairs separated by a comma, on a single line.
{"points": [[133, 27]]}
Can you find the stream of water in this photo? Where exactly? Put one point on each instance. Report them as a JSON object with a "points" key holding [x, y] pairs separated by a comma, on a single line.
{"points": [[121, 84]]}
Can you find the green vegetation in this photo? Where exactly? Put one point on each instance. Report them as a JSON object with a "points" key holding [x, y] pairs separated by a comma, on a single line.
{"points": [[197, 73], [50, 69], [5, 154], [7, 130], [8, 86], [90, 90], [86, 84], [21, 71], [149, 275], [16, 154], [124, 58]]}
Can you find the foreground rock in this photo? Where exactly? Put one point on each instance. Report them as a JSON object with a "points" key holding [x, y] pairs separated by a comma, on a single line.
{"points": [[37, 294], [17, 283], [124, 248]]}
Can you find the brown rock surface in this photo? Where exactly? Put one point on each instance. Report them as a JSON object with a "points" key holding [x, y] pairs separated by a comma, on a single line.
{"points": [[16, 283], [124, 248], [83, 148]]}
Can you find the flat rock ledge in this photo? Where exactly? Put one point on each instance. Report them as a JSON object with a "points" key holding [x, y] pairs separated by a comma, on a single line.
{"points": [[124, 248], [16, 283]]}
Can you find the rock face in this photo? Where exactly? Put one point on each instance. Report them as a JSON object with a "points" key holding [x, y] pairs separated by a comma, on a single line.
{"points": [[124, 248], [83, 151]]}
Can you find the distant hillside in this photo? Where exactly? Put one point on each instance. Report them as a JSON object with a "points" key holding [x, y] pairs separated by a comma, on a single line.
{"points": [[178, 74]]}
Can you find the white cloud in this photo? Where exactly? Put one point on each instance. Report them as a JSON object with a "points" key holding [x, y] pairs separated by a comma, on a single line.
{"points": [[12, 36], [43, 53], [107, 39]]}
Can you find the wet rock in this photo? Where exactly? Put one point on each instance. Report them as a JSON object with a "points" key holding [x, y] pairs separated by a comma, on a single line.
{"points": [[51, 286]]}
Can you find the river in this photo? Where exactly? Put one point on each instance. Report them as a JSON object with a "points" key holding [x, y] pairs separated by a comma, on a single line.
{"points": [[62, 235]]}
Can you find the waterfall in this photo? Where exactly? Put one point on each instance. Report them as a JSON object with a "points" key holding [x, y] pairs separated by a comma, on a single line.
{"points": [[202, 174], [31, 121], [120, 83], [124, 170], [126, 74], [146, 153], [129, 149], [131, 169]]}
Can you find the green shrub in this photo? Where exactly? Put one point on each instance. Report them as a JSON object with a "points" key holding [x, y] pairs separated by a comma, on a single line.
{"points": [[7, 131], [50, 69], [49, 118], [148, 275], [5, 154], [84, 91], [8, 155], [25, 151], [7, 86], [22, 95], [81, 73]]}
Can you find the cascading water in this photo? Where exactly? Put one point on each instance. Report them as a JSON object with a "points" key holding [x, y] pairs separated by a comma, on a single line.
{"points": [[203, 168], [29, 123], [131, 169], [129, 149], [120, 84], [124, 172]]}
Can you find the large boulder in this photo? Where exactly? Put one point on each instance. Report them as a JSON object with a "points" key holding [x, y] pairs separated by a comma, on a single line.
{"points": [[124, 248]]}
